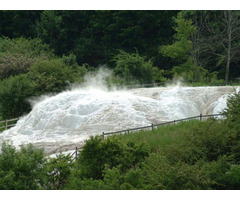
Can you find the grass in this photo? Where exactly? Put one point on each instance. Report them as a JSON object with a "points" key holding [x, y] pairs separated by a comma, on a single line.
{"points": [[161, 137]]}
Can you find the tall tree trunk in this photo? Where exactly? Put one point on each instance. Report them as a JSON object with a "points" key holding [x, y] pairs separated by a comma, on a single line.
{"points": [[229, 46], [227, 71]]}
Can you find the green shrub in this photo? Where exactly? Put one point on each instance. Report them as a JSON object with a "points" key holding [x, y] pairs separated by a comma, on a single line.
{"points": [[50, 76], [58, 171], [232, 112], [18, 55], [14, 64], [213, 173], [232, 178], [113, 178], [86, 184], [79, 71], [134, 66], [211, 139], [98, 153], [21, 170], [13, 96], [31, 48], [100, 159]]}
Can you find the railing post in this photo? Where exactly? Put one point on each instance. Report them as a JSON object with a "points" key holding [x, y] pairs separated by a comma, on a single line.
{"points": [[76, 154], [152, 127], [6, 124], [103, 135], [200, 117]]}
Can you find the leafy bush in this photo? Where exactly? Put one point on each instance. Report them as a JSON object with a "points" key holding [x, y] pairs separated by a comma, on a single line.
{"points": [[232, 178], [98, 154], [13, 94], [31, 48], [50, 76], [21, 170], [14, 64], [232, 112], [211, 140], [101, 158], [58, 171], [18, 55], [79, 71], [159, 174], [134, 66]]}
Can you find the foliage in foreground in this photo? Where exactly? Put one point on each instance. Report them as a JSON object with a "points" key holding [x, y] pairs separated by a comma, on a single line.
{"points": [[21, 170], [29, 169], [190, 155]]}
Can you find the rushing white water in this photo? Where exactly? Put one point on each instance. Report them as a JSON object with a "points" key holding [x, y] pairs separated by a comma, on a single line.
{"points": [[63, 121]]}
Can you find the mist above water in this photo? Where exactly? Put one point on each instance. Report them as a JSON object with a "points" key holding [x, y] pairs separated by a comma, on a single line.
{"points": [[65, 120]]}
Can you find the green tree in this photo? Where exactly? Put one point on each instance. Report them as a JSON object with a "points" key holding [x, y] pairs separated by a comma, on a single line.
{"points": [[14, 64], [32, 48], [182, 50], [14, 92], [101, 158], [50, 76], [232, 178], [18, 55], [48, 28], [58, 171], [21, 170], [18, 23], [135, 67], [232, 112]]}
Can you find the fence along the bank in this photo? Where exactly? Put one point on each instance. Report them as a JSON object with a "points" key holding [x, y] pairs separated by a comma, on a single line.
{"points": [[200, 117], [151, 127], [8, 123]]}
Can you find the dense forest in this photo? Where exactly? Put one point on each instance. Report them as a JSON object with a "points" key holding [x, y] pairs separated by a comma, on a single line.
{"points": [[178, 42]]}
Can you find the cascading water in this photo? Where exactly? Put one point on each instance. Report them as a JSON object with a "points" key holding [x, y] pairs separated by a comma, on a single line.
{"points": [[64, 121]]}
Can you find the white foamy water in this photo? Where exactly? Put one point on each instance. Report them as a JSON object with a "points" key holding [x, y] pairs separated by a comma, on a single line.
{"points": [[64, 121]]}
